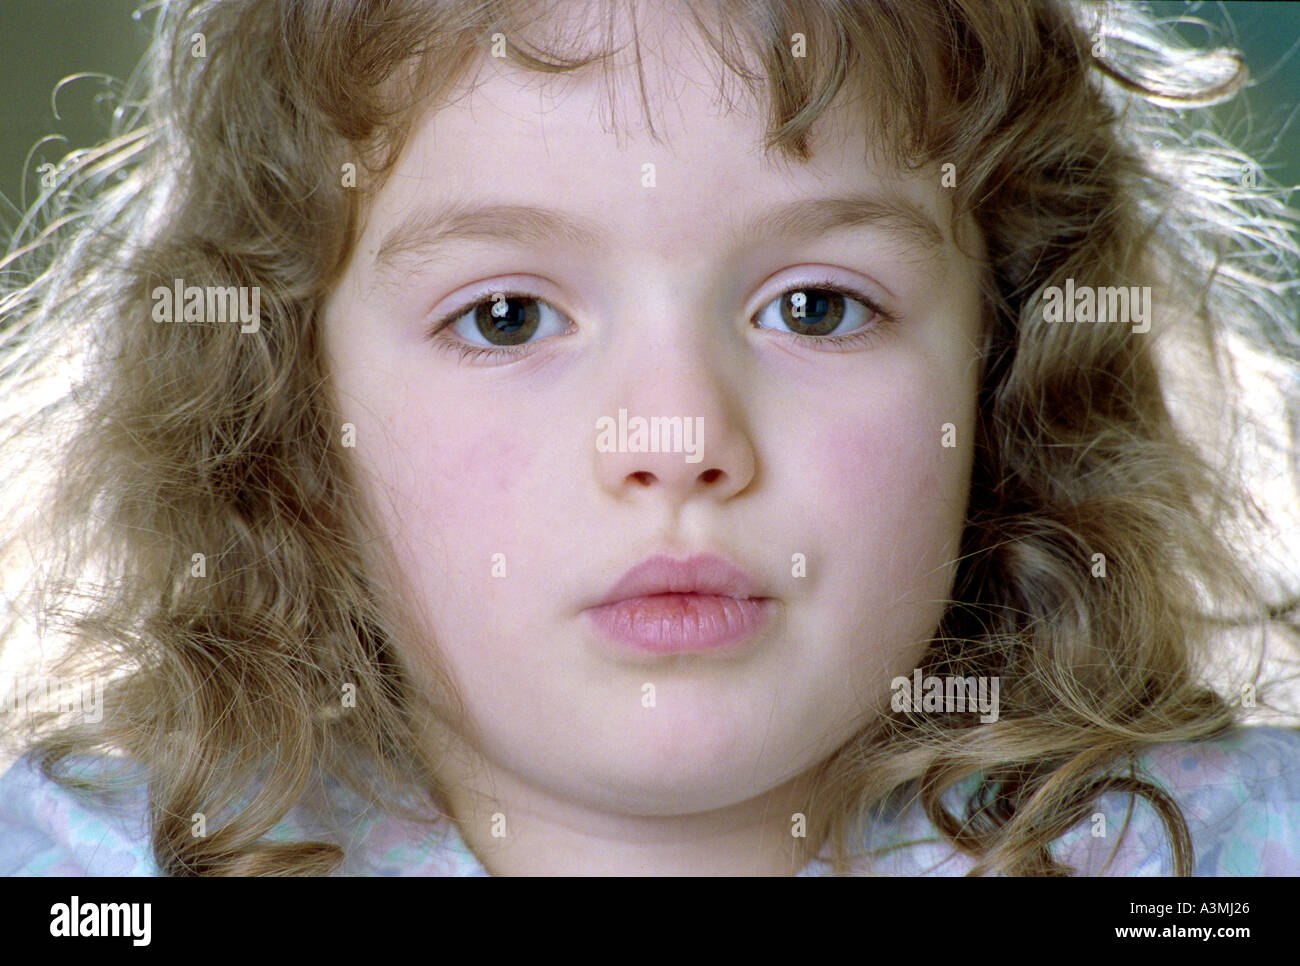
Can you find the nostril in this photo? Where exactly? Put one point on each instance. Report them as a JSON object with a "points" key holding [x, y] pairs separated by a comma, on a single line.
{"points": [[644, 478], [708, 476]]}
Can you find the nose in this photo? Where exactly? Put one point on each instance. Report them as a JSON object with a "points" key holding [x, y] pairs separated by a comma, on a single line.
{"points": [[675, 433], [674, 454]]}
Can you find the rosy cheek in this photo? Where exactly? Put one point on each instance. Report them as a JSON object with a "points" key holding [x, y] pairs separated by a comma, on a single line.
{"points": [[499, 460], [877, 459], [886, 486], [513, 459], [465, 474]]}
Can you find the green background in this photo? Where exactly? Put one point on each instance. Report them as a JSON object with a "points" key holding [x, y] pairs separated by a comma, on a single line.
{"points": [[43, 41]]}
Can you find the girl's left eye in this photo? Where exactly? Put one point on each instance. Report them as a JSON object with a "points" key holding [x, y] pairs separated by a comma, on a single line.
{"points": [[824, 312]]}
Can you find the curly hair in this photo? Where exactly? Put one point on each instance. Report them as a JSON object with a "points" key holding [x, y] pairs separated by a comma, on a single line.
{"points": [[153, 449]]}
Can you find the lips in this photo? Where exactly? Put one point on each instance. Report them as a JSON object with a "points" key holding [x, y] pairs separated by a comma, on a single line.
{"points": [[700, 574], [667, 606]]}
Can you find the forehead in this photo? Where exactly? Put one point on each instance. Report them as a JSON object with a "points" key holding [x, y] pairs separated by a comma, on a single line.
{"points": [[663, 93], [661, 140]]}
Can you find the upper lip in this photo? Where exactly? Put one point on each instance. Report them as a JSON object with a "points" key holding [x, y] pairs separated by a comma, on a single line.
{"points": [[698, 574]]}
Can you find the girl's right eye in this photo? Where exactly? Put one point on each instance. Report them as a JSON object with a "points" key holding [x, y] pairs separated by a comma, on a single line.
{"points": [[496, 325]]}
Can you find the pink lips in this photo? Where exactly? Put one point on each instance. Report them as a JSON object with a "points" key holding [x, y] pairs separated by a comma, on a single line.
{"points": [[665, 606]]}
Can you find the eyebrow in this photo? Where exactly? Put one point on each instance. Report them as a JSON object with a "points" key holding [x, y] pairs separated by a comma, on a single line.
{"points": [[425, 229]]}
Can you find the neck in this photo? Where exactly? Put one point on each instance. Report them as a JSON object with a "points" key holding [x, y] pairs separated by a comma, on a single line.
{"points": [[518, 829]]}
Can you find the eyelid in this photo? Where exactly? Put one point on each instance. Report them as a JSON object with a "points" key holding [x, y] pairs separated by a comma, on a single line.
{"points": [[823, 280], [487, 293], [442, 336], [872, 295]]}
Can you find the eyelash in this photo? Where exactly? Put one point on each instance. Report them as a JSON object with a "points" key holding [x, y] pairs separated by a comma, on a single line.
{"points": [[466, 352], [862, 337]]}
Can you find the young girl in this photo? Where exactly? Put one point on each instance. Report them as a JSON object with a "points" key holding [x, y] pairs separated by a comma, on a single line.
{"points": [[467, 438]]}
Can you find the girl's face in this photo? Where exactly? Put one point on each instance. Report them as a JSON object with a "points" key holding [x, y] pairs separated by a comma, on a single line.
{"points": [[833, 473]]}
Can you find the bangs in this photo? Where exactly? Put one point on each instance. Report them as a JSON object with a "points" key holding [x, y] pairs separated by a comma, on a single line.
{"points": [[894, 62]]}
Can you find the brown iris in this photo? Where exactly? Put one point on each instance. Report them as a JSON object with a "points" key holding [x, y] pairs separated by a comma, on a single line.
{"points": [[812, 311], [508, 321]]}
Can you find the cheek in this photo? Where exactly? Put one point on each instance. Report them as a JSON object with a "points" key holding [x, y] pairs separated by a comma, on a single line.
{"points": [[469, 481], [889, 467], [896, 499], [488, 468], [446, 478], [894, 510], [456, 498]]}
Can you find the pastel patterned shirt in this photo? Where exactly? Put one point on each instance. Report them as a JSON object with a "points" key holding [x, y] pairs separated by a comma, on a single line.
{"points": [[1240, 795]]}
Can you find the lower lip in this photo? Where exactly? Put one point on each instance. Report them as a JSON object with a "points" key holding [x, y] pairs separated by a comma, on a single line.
{"points": [[682, 623]]}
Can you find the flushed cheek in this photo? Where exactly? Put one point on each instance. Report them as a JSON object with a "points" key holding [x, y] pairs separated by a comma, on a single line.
{"points": [[467, 482], [881, 465], [891, 529], [890, 482]]}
